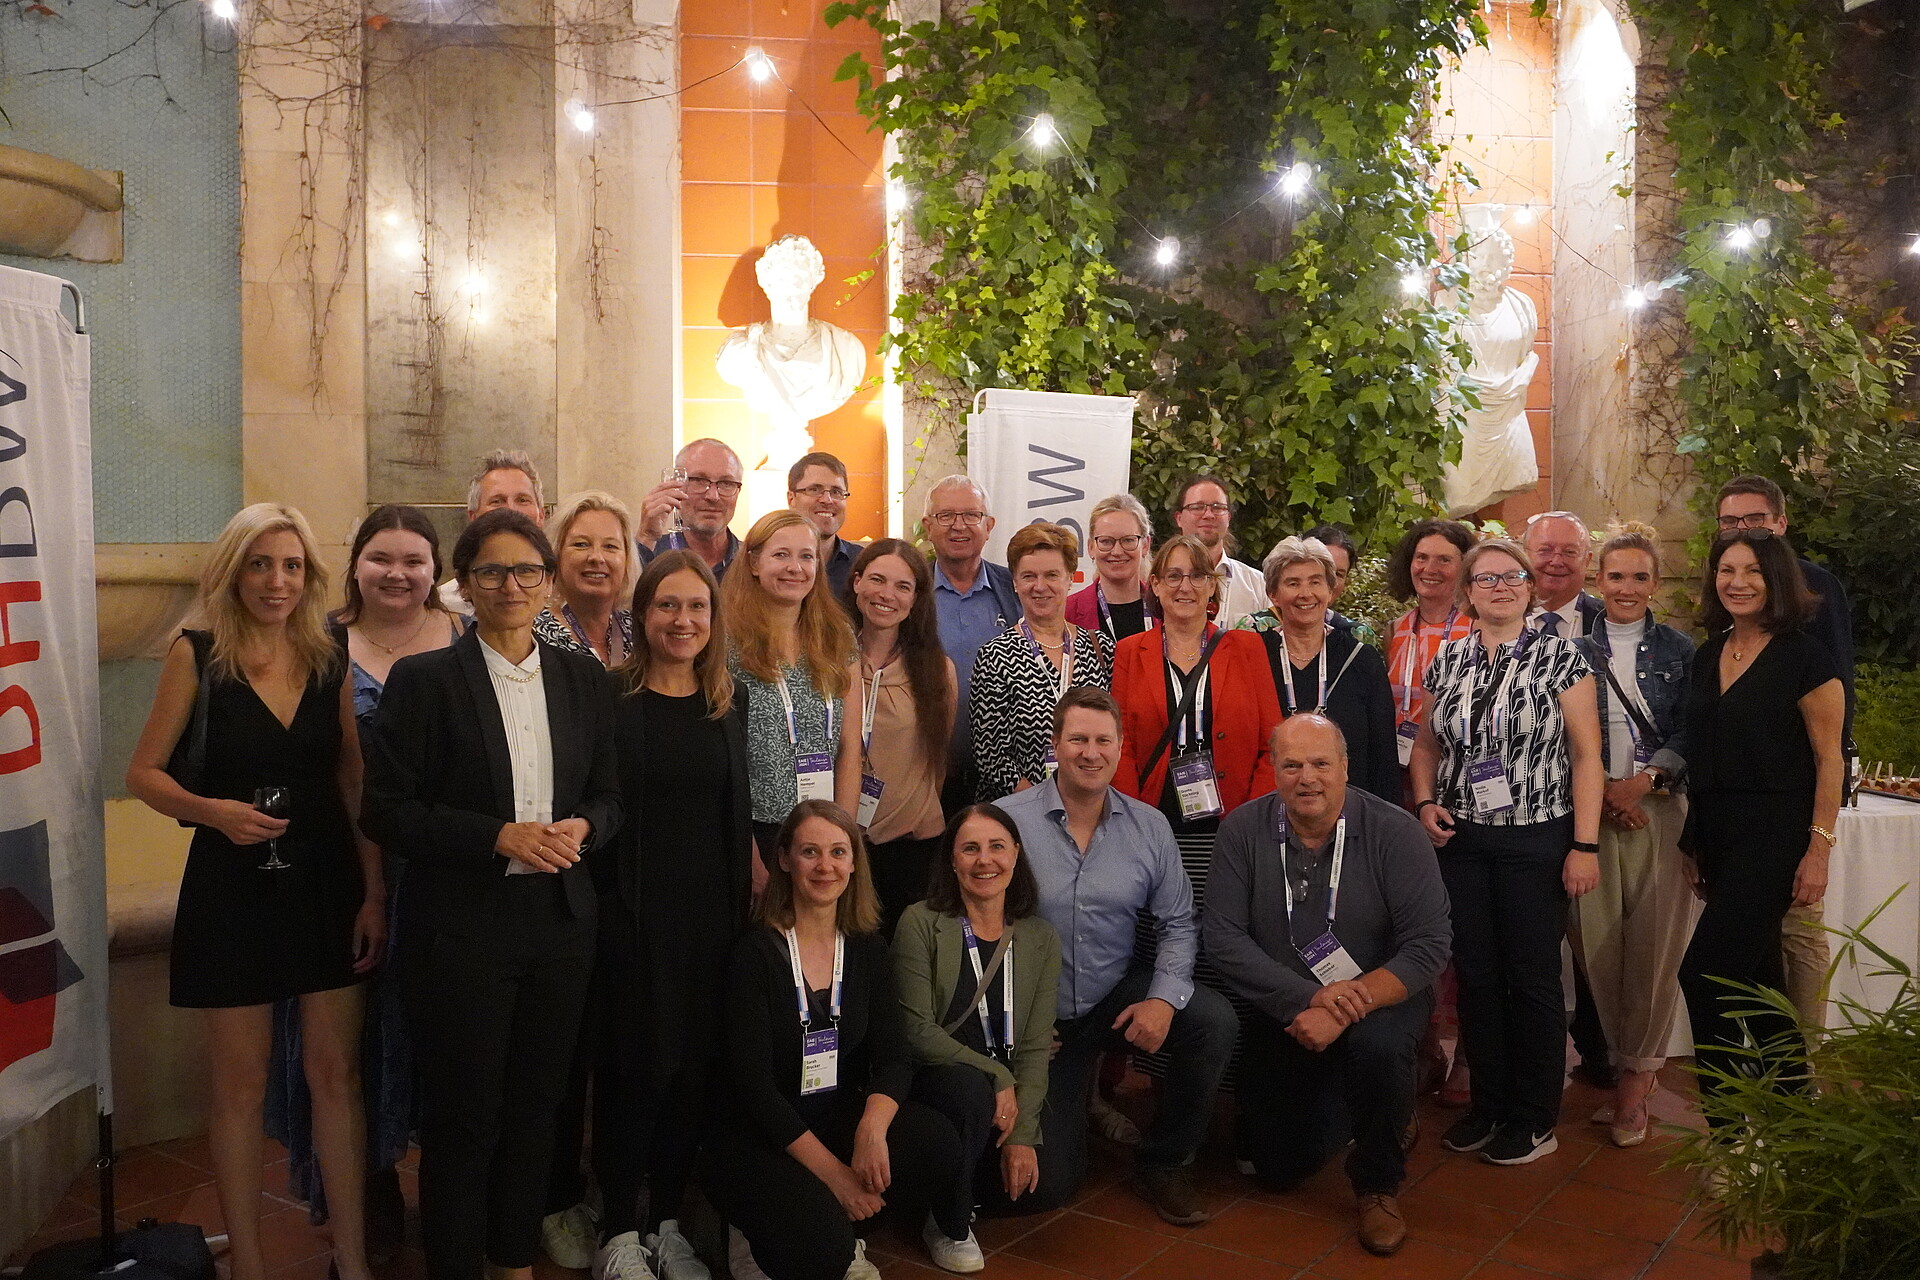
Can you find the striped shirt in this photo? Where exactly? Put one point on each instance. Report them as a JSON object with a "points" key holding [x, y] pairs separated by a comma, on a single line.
{"points": [[1410, 651]]}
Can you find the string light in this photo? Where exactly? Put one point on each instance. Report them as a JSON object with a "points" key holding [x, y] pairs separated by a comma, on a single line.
{"points": [[1168, 252], [1523, 216], [223, 10], [1637, 298], [1740, 238], [1295, 179], [759, 65], [1413, 283], [1914, 248], [581, 117], [1043, 133], [896, 197]]}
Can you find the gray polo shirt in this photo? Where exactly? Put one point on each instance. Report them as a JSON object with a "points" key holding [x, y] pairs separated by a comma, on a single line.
{"points": [[1392, 911]]}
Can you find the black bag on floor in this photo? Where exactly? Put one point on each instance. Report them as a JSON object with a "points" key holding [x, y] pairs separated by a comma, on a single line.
{"points": [[158, 1251]]}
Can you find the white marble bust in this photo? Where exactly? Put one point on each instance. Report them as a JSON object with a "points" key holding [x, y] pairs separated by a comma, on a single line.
{"points": [[793, 368], [1497, 459]]}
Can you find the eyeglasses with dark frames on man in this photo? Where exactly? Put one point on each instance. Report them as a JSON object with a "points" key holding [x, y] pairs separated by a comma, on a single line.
{"points": [[1751, 520], [1208, 508], [819, 491], [700, 484], [965, 519]]}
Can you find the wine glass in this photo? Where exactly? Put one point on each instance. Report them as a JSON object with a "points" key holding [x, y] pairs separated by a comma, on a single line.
{"points": [[675, 475], [275, 802]]}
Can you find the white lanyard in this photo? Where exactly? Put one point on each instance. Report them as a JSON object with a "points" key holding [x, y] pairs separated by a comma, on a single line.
{"points": [[868, 706], [1066, 654], [1339, 859], [1320, 698], [793, 726], [1413, 659], [800, 976], [1197, 708], [1497, 712], [1006, 989]]}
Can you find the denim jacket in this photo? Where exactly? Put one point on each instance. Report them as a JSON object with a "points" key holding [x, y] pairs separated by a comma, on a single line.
{"points": [[1661, 666]]}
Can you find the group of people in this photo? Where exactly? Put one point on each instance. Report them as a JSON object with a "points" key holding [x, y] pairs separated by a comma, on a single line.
{"points": [[816, 871]]}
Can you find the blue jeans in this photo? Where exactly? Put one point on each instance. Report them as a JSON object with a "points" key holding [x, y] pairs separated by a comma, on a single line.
{"points": [[1199, 1042]]}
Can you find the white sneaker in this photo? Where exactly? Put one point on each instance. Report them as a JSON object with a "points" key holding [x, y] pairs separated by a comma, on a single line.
{"points": [[740, 1258], [949, 1254], [674, 1254], [622, 1258], [860, 1268], [570, 1236]]}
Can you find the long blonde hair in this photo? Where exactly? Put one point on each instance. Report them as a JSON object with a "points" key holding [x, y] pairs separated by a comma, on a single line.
{"points": [[228, 619], [826, 639]]}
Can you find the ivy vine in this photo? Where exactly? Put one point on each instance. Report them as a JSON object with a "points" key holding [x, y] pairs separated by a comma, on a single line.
{"points": [[1282, 349]]}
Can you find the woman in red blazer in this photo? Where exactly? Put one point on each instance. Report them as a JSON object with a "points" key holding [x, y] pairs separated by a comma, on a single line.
{"points": [[1231, 713]]}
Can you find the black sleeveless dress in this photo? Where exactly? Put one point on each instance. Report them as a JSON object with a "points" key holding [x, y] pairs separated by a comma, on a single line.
{"points": [[243, 936]]}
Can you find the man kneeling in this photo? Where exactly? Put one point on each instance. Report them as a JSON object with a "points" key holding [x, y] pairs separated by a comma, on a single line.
{"points": [[1326, 912]]}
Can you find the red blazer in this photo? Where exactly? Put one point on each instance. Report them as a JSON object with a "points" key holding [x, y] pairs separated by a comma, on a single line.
{"points": [[1245, 710]]}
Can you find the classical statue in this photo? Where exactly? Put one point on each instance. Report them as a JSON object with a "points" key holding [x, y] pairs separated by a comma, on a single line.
{"points": [[792, 368], [1496, 449]]}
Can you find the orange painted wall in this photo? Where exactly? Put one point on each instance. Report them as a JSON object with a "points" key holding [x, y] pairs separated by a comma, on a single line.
{"points": [[1501, 124], [756, 165]]}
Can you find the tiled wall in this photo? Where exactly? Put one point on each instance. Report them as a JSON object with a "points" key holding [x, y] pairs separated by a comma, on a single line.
{"points": [[756, 165], [1501, 124]]}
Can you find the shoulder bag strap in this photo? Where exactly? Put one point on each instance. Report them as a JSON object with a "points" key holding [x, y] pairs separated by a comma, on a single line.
{"points": [[1180, 712], [987, 974]]}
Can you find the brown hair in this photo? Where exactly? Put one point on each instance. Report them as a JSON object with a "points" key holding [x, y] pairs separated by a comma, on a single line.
{"points": [[387, 519], [1088, 697], [1042, 536], [1760, 486], [1485, 546], [1196, 556], [1629, 535], [710, 664], [826, 640], [943, 886], [919, 646], [858, 910], [1400, 563], [499, 520], [1789, 603], [815, 459], [227, 618]]}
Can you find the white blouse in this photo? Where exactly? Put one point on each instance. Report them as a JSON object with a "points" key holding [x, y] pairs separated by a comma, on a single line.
{"points": [[521, 692]]}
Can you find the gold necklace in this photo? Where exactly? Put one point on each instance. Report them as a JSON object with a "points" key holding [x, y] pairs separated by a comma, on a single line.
{"points": [[391, 649]]}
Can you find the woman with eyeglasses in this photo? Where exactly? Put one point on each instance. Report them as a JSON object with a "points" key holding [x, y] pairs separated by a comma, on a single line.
{"points": [[1020, 673], [906, 686], [490, 767], [592, 533], [1507, 780], [1120, 534], [1318, 666], [1764, 776]]}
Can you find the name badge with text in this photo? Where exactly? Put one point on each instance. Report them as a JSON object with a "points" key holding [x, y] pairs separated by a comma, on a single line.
{"points": [[1403, 741], [813, 775], [1329, 960], [1491, 791], [1197, 787], [820, 1061], [870, 789]]}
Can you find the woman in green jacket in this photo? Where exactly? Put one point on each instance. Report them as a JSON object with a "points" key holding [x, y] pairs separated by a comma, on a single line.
{"points": [[978, 970]]}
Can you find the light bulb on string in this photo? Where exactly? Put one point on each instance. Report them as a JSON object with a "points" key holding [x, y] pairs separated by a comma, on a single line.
{"points": [[1523, 216], [223, 10], [1413, 283], [1740, 238], [759, 65], [581, 117], [1167, 252], [1295, 179], [1043, 133], [1637, 298]]}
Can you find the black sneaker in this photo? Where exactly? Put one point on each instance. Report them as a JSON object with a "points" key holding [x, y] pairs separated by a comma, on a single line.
{"points": [[1470, 1132], [1516, 1145]]}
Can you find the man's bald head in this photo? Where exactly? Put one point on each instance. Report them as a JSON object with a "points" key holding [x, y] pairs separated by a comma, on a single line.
{"points": [[1308, 731], [1310, 769]]}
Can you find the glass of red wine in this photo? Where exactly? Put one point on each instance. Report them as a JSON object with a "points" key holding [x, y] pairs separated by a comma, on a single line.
{"points": [[275, 802]]}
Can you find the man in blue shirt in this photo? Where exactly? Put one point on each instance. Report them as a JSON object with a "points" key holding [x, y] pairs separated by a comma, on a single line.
{"points": [[705, 500], [1099, 857], [817, 489], [975, 603]]}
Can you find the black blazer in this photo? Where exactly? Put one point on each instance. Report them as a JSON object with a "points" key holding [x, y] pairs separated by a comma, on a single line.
{"points": [[439, 783]]}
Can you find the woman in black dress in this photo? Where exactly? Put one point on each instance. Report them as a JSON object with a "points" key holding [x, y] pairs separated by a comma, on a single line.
{"points": [[306, 916], [1764, 773], [673, 897]]}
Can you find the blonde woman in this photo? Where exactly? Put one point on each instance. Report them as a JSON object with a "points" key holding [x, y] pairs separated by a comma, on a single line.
{"points": [[790, 648], [1120, 539], [306, 918], [592, 534]]}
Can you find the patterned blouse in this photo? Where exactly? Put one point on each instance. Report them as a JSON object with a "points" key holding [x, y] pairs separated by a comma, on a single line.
{"points": [[1522, 723], [1410, 651], [1012, 694], [770, 752], [556, 631]]}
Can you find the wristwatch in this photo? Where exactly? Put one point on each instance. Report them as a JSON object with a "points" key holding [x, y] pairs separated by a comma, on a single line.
{"points": [[1658, 776]]}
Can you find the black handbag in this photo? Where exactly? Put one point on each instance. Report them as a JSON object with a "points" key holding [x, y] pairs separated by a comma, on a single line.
{"points": [[188, 763]]}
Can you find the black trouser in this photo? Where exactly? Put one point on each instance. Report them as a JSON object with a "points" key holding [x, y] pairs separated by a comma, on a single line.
{"points": [[965, 1096], [900, 874], [495, 1017], [1589, 1035], [1198, 1045], [1296, 1108], [796, 1228], [1509, 908]]}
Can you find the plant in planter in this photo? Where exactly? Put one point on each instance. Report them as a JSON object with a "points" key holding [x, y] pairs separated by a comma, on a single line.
{"points": [[1830, 1176]]}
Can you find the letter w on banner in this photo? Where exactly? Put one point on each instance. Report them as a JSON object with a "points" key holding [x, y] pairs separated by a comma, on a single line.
{"points": [[53, 918], [1047, 455]]}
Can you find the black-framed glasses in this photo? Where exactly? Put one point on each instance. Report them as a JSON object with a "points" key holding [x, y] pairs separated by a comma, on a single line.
{"points": [[1208, 508], [1751, 520], [1743, 533], [700, 484], [819, 491], [1125, 541], [492, 577], [965, 519], [1488, 581]]}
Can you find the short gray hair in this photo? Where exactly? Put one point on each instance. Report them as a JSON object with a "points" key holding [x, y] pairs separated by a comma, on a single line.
{"points": [[1122, 504], [1291, 551], [503, 460], [679, 458], [955, 481]]}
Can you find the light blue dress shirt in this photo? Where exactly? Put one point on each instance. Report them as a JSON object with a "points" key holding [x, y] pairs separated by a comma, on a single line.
{"points": [[967, 621]]}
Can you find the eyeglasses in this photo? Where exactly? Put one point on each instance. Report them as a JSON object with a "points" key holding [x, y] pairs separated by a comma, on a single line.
{"points": [[1126, 542], [1751, 520], [965, 519], [819, 491], [700, 484], [1177, 579], [492, 577], [1207, 508], [1488, 581], [1743, 533]]}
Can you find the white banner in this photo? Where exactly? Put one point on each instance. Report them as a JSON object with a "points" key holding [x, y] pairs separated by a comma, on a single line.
{"points": [[1047, 455], [53, 914]]}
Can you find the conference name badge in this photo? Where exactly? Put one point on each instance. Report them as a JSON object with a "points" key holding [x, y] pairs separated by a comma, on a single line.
{"points": [[1329, 960], [1404, 738], [870, 789], [1048, 765], [820, 1061], [1488, 779], [1195, 784], [813, 775]]}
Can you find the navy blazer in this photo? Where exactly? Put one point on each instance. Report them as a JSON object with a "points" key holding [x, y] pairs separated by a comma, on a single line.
{"points": [[439, 781]]}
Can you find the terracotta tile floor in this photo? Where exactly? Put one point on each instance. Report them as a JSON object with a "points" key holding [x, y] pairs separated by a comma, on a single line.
{"points": [[1587, 1212]]}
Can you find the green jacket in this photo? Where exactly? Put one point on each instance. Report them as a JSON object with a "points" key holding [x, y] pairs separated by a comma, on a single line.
{"points": [[928, 955]]}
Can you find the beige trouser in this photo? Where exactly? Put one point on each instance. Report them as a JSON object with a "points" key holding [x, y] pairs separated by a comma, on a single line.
{"points": [[1803, 945], [1632, 930]]}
